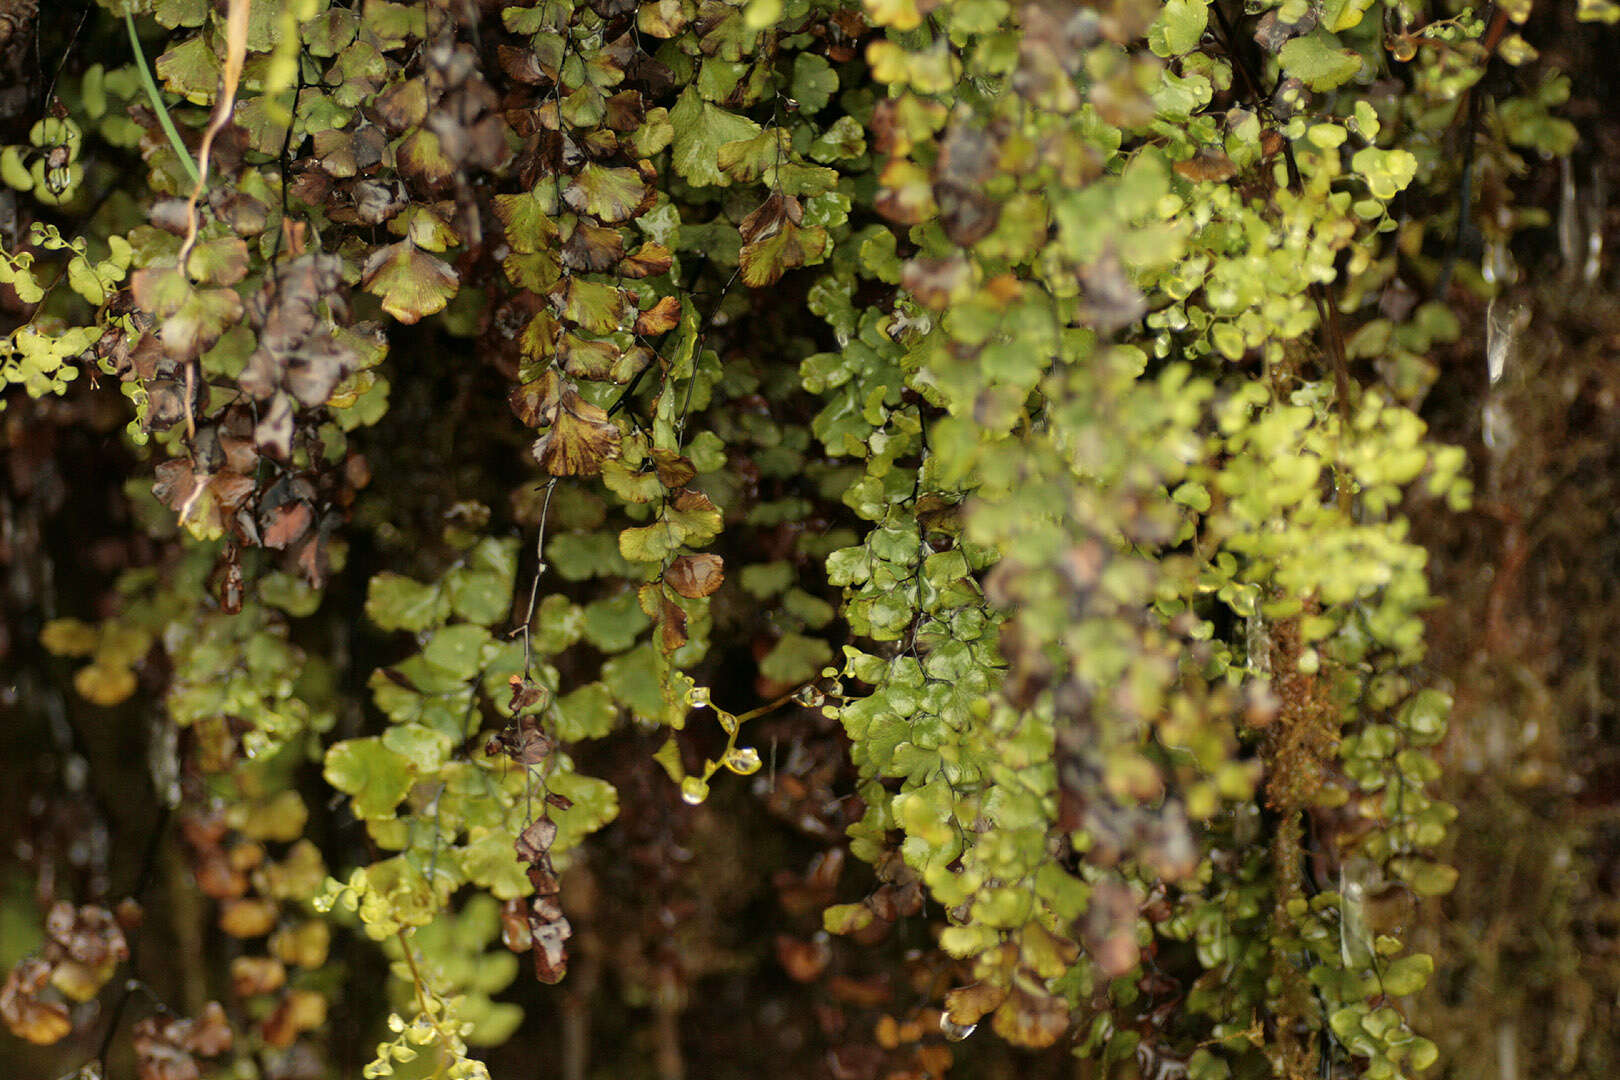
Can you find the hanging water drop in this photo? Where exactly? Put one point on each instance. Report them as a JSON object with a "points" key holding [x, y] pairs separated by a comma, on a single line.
{"points": [[744, 761], [952, 1030], [694, 789]]}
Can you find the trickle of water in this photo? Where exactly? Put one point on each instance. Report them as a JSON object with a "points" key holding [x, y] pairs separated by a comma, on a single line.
{"points": [[952, 1030]]}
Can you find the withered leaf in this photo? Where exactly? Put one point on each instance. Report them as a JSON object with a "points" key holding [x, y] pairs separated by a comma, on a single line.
{"points": [[536, 840], [1111, 301], [251, 975], [695, 576], [804, 961], [660, 318], [671, 626], [649, 260], [523, 742], [1208, 164], [287, 523], [674, 470], [968, 215], [592, 248], [403, 105], [515, 925], [543, 876], [966, 1005], [551, 930], [526, 693], [25, 1015], [967, 156], [1110, 928], [625, 111], [520, 65]]}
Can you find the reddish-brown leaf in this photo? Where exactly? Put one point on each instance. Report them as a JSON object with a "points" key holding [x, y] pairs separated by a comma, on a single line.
{"points": [[695, 576], [661, 317]]}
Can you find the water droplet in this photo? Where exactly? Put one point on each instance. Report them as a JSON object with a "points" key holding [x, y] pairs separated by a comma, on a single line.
{"points": [[952, 1030], [809, 696], [698, 697], [694, 789], [744, 761]]}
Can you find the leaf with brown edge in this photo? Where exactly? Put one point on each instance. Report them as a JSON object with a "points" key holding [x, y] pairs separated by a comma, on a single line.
{"points": [[594, 307], [198, 324], [410, 283], [580, 439], [219, 262], [586, 358], [535, 402], [635, 360], [527, 218], [764, 261], [192, 319], [609, 194], [298, 1012], [769, 216], [662, 18], [695, 576], [1031, 1017], [421, 156], [539, 338], [695, 514], [660, 318]]}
